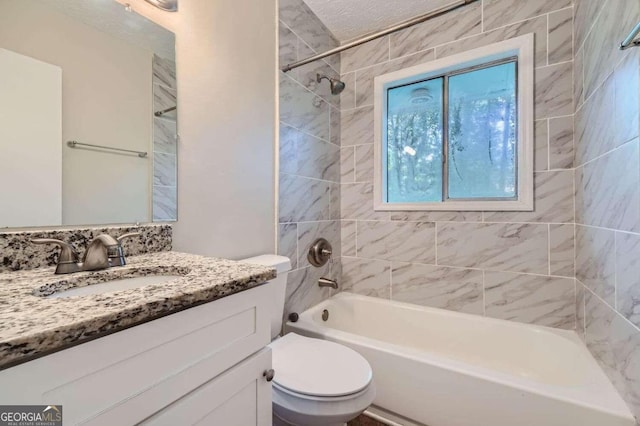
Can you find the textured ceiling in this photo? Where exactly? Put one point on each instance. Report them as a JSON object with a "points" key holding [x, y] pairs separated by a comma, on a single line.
{"points": [[348, 19], [110, 17]]}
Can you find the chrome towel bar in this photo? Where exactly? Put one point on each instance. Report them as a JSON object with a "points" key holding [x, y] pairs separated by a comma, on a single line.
{"points": [[164, 111], [630, 41], [75, 144]]}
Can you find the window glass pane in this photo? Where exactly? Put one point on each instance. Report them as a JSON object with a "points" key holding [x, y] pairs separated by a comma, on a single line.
{"points": [[414, 142], [482, 133]]}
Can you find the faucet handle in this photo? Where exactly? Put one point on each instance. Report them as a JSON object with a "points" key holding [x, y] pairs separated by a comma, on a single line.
{"points": [[68, 259], [67, 253], [117, 258], [129, 235]]}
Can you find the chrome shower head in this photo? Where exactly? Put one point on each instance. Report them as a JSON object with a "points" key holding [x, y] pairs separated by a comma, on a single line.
{"points": [[337, 86]]}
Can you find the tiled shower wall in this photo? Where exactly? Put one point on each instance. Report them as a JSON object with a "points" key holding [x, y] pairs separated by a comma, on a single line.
{"points": [[165, 161], [309, 196], [607, 159], [511, 265]]}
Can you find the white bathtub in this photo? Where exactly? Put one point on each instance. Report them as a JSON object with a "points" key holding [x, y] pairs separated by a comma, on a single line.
{"points": [[442, 368]]}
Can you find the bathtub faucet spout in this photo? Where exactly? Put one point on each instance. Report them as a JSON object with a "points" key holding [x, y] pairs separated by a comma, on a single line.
{"points": [[326, 282]]}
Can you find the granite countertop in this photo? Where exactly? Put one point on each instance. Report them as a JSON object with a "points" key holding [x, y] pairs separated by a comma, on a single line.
{"points": [[32, 325]]}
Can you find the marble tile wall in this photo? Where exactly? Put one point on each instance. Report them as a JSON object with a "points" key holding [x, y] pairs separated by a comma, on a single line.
{"points": [[309, 154], [165, 134], [510, 265], [607, 179]]}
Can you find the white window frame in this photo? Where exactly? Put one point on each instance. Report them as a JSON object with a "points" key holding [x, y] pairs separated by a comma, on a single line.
{"points": [[520, 47]]}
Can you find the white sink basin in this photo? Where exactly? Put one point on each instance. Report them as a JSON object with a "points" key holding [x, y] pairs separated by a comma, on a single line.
{"points": [[114, 285]]}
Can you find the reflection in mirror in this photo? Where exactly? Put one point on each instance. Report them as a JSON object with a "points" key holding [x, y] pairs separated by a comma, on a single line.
{"points": [[92, 72]]}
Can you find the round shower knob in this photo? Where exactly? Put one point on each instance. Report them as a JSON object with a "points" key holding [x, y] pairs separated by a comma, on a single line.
{"points": [[319, 252]]}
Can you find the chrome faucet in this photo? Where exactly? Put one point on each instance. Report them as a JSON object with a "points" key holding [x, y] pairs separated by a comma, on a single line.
{"points": [[99, 252], [326, 282], [103, 252]]}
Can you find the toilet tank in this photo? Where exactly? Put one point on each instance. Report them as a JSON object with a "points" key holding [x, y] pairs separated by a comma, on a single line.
{"points": [[278, 285]]}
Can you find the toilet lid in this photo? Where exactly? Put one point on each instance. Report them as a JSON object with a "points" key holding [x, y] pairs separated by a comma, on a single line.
{"points": [[318, 367]]}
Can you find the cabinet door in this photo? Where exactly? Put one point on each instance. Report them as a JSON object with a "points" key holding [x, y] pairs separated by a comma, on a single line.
{"points": [[239, 397]]}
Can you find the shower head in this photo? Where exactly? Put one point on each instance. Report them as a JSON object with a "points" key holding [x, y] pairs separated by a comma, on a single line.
{"points": [[337, 86]]}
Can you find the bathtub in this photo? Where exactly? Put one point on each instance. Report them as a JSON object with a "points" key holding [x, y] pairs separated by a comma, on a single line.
{"points": [[443, 368]]}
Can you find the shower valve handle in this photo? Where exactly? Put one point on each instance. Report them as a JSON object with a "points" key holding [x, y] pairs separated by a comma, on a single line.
{"points": [[320, 252]]}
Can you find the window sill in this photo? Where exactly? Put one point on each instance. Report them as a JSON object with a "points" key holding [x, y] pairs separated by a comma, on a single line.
{"points": [[464, 206]]}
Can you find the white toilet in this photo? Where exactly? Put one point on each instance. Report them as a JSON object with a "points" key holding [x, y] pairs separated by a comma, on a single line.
{"points": [[316, 382]]}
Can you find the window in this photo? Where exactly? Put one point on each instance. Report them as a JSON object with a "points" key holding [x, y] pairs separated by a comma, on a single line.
{"points": [[457, 133]]}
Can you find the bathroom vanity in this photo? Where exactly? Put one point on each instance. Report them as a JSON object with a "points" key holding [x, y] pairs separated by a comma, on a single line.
{"points": [[187, 350]]}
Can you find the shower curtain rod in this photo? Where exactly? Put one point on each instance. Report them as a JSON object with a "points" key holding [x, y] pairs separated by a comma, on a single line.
{"points": [[405, 24]]}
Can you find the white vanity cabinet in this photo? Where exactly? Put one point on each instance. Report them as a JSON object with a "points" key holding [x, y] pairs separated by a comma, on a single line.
{"points": [[203, 365]]}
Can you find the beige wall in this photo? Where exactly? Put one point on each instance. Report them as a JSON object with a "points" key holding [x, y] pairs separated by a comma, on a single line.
{"points": [[510, 265], [608, 190], [31, 93], [226, 67], [106, 100]]}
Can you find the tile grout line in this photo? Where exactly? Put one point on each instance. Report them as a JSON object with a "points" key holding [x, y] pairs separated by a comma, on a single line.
{"points": [[608, 306], [573, 69], [355, 98], [466, 268], [318, 139], [548, 143], [298, 37], [549, 248], [484, 294], [584, 310], [390, 280], [307, 133], [600, 84], [575, 302], [355, 165], [611, 151], [530, 18], [608, 229], [310, 178], [436, 241], [296, 81], [593, 24], [615, 271], [483, 32], [548, 34], [355, 233]]}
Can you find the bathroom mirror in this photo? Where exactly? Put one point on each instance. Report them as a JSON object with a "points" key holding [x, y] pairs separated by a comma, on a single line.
{"points": [[88, 115]]}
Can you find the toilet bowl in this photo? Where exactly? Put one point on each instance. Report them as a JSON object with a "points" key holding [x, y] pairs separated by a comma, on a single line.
{"points": [[316, 382]]}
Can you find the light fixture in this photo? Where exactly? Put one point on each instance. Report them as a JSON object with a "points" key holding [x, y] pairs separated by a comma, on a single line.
{"points": [[420, 95], [168, 5], [127, 7]]}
